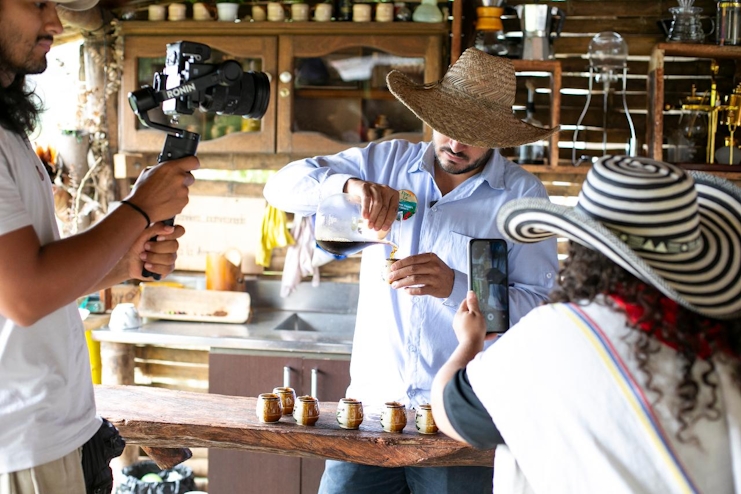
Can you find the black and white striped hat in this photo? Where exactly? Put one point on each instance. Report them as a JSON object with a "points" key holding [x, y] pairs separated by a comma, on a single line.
{"points": [[682, 236]]}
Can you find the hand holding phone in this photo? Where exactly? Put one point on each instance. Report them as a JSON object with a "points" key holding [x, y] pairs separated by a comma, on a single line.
{"points": [[487, 277]]}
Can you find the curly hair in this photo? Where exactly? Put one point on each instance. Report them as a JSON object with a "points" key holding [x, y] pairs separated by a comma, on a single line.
{"points": [[587, 274], [19, 107]]}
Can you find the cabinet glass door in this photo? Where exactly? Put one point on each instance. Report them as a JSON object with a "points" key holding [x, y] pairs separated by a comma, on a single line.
{"points": [[145, 57], [333, 94]]}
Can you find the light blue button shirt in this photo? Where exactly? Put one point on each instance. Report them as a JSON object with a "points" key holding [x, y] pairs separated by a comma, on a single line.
{"points": [[401, 341]]}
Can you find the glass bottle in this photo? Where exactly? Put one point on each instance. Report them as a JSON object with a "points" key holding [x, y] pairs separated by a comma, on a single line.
{"points": [[402, 12], [344, 10]]}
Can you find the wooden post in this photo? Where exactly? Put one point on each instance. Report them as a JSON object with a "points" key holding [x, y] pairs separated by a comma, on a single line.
{"points": [[118, 368]]}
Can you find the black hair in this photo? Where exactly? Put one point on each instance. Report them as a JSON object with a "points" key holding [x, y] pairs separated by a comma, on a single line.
{"points": [[587, 273], [19, 107]]}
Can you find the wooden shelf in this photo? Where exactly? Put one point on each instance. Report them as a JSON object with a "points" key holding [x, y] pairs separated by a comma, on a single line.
{"points": [[655, 84], [315, 92]]}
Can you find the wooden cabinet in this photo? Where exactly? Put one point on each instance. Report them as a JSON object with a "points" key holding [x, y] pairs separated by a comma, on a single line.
{"points": [[233, 471], [327, 87]]}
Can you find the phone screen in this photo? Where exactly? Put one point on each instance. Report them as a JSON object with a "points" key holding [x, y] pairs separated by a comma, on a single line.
{"points": [[487, 276]]}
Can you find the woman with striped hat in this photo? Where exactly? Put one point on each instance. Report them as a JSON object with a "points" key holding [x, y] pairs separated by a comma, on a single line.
{"points": [[630, 379]]}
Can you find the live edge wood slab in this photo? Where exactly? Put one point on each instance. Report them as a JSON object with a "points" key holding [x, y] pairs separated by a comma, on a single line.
{"points": [[161, 418]]}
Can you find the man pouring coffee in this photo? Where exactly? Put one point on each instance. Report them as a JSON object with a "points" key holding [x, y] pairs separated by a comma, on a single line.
{"points": [[460, 179]]}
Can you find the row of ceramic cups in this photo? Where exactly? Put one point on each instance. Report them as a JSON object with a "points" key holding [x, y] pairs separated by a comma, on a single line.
{"points": [[275, 12], [305, 410]]}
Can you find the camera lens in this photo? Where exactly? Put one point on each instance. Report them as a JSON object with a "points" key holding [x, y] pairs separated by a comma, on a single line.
{"points": [[249, 97]]}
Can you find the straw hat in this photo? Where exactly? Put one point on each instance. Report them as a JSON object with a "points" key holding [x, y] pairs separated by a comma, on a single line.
{"points": [[472, 103], [77, 4], [682, 236]]}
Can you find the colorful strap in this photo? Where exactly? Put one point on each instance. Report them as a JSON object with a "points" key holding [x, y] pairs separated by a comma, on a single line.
{"points": [[633, 393]]}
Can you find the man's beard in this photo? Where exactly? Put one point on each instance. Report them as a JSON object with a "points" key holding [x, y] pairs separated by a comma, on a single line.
{"points": [[479, 163], [28, 66]]}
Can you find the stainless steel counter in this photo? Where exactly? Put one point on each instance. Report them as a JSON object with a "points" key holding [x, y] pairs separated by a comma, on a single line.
{"points": [[286, 331], [311, 320]]}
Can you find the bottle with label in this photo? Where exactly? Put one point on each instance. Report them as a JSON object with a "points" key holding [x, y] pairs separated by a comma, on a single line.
{"points": [[533, 153], [344, 10]]}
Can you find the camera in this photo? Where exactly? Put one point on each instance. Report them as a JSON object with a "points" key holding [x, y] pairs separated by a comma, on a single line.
{"points": [[236, 93], [188, 82]]}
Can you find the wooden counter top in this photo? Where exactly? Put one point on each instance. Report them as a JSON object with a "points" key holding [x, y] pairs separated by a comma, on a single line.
{"points": [[157, 417]]}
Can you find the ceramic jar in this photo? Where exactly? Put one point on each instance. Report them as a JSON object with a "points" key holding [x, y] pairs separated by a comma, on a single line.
{"points": [[176, 12], [306, 410], [384, 12], [424, 421], [276, 12], [323, 12], [156, 12], [287, 398], [258, 13], [227, 12], [300, 12], [393, 417], [361, 12], [268, 408], [349, 413], [201, 12]]}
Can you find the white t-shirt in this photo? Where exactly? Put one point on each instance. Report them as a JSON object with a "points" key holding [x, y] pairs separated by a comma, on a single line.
{"points": [[564, 390], [47, 406]]}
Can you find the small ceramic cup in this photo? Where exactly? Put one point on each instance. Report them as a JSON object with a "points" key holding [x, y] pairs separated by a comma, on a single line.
{"points": [[349, 413], [424, 421], [287, 398], [306, 410], [323, 12], [268, 408], [393, 417]]}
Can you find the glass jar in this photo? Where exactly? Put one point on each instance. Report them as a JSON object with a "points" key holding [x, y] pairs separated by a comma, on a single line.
{"points": [[689, 139], [427, 11]]}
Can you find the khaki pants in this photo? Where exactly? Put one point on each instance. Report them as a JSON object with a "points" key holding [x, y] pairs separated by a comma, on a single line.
{"points": [[62, 476]]}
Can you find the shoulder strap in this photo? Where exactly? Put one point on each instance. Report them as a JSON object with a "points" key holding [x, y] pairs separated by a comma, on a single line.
{"points": [[633, 393]]}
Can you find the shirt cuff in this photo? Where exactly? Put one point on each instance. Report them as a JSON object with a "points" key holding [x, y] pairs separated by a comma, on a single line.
{"points": [[460, 290], [333, 184]]}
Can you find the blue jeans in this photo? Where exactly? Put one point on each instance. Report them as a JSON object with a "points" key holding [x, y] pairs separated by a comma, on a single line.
{"points": [[341, 477]]}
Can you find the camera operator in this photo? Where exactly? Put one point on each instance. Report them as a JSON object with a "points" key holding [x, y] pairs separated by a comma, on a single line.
{"points": [[47, 406]]}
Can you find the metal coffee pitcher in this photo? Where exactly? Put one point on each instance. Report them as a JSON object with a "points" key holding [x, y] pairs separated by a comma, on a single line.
{"points": [[540, 24]]}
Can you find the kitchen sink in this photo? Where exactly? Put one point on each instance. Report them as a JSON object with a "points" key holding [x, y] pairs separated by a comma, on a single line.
{"points": [[318, 321]]}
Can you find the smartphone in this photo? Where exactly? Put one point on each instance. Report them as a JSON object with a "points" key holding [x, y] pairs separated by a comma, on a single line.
{"points": [[487, 276]]}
